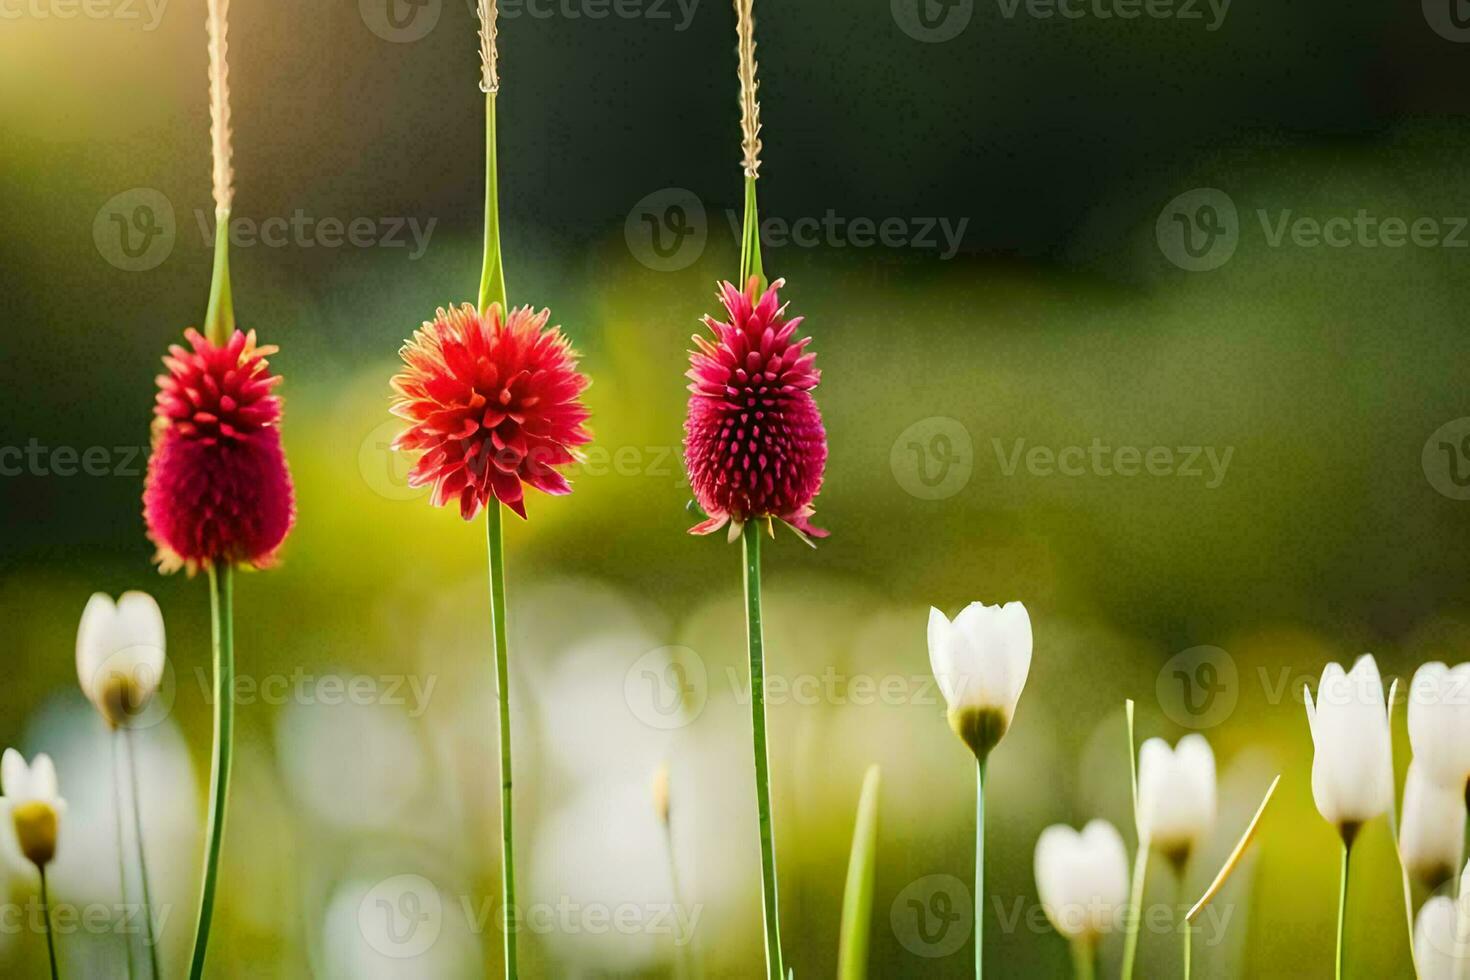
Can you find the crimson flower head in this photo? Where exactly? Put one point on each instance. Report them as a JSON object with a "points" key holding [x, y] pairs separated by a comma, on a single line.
{"points": [[218, 489], [494, 403], [754, 443]]}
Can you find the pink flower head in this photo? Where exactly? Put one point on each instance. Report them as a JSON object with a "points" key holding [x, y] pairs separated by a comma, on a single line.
{"points": [[754, 443], [218, 489], [494, 404]]}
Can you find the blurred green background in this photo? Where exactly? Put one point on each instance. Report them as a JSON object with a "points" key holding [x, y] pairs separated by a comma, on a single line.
{"points": [[1127, 268]]}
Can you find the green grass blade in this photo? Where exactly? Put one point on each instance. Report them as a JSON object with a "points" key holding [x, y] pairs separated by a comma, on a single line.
{"points": [[857, 897]]}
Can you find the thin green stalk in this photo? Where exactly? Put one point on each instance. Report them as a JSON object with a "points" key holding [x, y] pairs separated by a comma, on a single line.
{"points": [[1140, 860], [683, 945], [492, 273], [1393, 829], [750, 239], [496, 538], [979, 868], [219, 318], [857, 895], [1084, 958], [755, 641], [222, 621], [1188, 937], [148, 936], [46, 915], [1342, 899], [117, 813]]}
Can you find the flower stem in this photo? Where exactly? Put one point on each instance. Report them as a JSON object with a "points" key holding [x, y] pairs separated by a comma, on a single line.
{"points": [[1188, 939], [755, 641], [46, 915], [1084, 958], [1140, 860], [148, 936], [219, 318], [1342, 897], [492, 273], [222, 621], [750, 240], [496, 539], [979, 867], [117, 812]]}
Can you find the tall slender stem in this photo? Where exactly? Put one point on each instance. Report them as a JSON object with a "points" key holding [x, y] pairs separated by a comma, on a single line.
{"points": [[750, 239], [492, 272], [755, 642], [148, 936], [979, 867], [1140, 860], [1188, 940], [222, 621], [117, 813], [1084, 958], [46, 915], [219, 318], [1342, 897], [495, 537]]}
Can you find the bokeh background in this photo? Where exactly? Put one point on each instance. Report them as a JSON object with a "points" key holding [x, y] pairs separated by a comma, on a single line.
{"points": [[1125, 267]]}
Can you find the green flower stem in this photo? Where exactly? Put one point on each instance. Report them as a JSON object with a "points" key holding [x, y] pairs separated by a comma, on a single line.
{"points": [[117, 813], [1188, 940], [1342, 898], [1084, 958], [219, 318], [979, 868], [1140, 860], [750, 239], [775, 969], [148, 936], [492, 274], [496, 538], [46, 915], [222, 620]]}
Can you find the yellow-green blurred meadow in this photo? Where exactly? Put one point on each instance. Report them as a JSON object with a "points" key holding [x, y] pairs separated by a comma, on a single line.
{"points": [[1204, 484]]}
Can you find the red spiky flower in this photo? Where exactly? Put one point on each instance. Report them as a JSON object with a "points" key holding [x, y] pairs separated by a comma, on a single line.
{"points": [[754, 443], [494, 404], [218, 489]]}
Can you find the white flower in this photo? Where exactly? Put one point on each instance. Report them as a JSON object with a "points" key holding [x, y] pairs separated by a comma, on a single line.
{"points": [[981, 661], [33, 799], [1439, 723], [1433, 827], [120, 654], [1082, 879], [1176, 795], [1352, 772], [1440, 948]]}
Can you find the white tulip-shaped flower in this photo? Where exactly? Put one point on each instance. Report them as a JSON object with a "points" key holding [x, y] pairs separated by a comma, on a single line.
{"points": [[33, 800], [1352, 771], [1176, 795], [981, 661], [1441, 946], [1082, 878], [120, 654], [1439, 723], [1432, 833]]}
